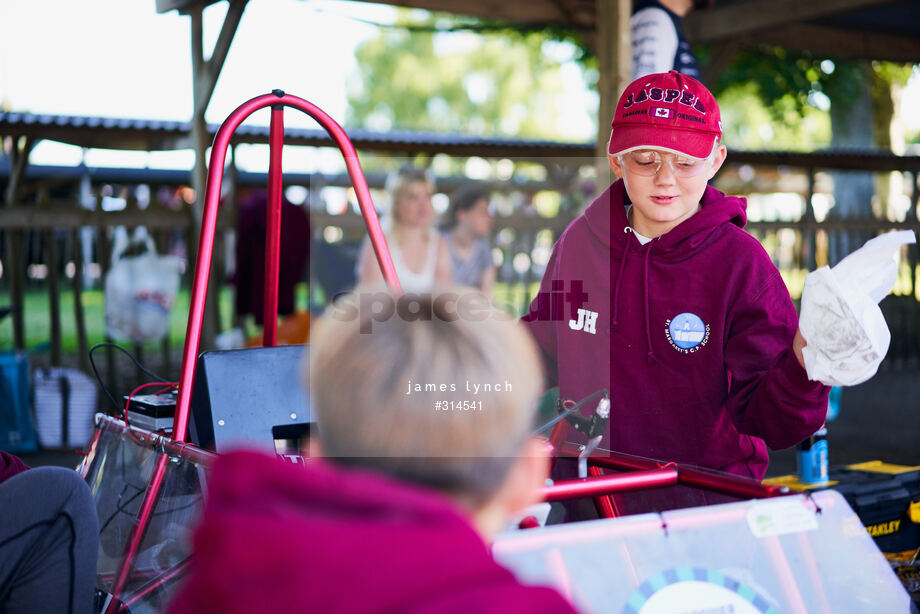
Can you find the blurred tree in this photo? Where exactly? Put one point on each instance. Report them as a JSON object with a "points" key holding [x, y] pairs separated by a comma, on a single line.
{"points": [[862, 101], [447, 74]]}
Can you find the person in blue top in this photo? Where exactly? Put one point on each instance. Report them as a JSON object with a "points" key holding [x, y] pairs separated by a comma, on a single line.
{"points": [[466, 232]]}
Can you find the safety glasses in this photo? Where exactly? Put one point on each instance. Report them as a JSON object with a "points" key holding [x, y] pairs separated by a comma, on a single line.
{"points": [[647, 162]]}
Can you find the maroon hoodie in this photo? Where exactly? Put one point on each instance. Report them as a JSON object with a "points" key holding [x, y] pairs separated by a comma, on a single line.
{"points": [[692, 333], [277, 537], [10, 465]]}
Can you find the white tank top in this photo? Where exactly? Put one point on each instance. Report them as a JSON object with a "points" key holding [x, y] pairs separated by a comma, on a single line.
{"points": [[408, 279]]}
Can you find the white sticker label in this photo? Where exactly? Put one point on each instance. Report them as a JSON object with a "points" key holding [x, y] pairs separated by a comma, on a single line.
{"points": [[781, 516]]}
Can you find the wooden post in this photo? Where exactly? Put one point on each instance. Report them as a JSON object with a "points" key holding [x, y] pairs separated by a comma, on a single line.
{"points": [[105, 263], [614, 60], [138, 350], [162, 244], [204, 79], [233, 211], [913, 256], [54, 295], [15, 263], [79, 316], [809, 244]]}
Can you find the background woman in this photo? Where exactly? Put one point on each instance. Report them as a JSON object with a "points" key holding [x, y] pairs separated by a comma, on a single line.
{"points": [[419, 254]]}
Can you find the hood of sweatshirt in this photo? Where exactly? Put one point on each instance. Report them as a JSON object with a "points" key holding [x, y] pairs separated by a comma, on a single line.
{"points": [[278, 537], [10, 465], [606, 218]]}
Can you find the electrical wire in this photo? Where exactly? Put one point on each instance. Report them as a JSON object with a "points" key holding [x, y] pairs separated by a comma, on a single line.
{"points": [[143, 369]]}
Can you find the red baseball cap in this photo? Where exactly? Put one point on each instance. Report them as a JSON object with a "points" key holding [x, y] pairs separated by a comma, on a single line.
{"points": [[667, 111]]}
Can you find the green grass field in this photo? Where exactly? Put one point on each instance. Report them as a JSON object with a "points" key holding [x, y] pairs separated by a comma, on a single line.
{"points": [[38, 318]]}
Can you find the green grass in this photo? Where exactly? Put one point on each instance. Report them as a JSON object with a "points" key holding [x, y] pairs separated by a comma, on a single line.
{"points": [[38, 318]]}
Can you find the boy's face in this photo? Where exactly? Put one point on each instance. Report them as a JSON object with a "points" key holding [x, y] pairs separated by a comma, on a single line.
{"points": [[664, 199]]}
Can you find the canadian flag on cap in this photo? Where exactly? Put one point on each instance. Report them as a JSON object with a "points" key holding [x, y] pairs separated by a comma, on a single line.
{"points": [[668, 111]]}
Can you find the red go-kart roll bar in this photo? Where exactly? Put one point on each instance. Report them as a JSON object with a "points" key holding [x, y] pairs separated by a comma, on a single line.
{"points": [[277, 100]]}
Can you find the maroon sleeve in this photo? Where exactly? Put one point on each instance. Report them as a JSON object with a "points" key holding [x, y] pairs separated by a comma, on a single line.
{"points": [[10, 465], [771, 396]]}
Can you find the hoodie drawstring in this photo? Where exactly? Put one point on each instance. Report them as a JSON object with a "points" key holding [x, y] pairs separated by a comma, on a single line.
{"points": [[648, 330], [616, 286], [650, 356]]}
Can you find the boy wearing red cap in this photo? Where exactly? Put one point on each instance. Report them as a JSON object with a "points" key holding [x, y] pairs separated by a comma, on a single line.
{"points": [[670, 305]]}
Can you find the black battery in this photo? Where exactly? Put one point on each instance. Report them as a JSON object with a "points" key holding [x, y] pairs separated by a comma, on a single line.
{"points": [[153, 412], [154, 405]]}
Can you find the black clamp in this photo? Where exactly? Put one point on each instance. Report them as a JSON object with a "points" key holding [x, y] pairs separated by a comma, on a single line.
{"points": [[592, 426]]}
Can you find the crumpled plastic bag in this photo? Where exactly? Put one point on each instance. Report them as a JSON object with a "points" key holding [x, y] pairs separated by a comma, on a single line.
{"points": [[140, 290], [845, 331]]}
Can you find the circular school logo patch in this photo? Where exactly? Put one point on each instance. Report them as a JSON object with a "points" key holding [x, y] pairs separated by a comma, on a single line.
{"points": [[686, 332]]}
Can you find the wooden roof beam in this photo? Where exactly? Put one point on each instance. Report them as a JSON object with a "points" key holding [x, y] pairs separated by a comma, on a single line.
{"points": [[759, 15], [563, 13], [513, 10], [841, 42]]}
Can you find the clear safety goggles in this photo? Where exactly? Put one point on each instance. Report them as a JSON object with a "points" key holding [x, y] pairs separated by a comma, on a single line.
{"points": [[647, 162]]}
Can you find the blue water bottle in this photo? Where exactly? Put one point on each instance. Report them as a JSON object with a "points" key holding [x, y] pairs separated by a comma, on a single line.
{"points": [[812, 457], [833, 403]]}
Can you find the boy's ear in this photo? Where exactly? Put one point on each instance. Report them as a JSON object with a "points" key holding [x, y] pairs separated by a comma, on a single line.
{"points": [[717, 160], [615, 165]]}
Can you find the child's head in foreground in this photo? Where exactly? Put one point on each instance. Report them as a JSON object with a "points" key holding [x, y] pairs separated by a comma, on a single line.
{"points": [[437, 390], [666, 145]]}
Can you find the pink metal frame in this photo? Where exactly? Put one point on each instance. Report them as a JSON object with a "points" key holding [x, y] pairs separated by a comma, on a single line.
{"points": [[645, 474], [277, 100], [609, 484]]}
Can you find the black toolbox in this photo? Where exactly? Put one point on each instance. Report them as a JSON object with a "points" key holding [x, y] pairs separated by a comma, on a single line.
{"points": [[887, 500]]}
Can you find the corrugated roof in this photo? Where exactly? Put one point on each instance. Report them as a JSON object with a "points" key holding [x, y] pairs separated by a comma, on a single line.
{"points": [[148, 135], [151, 135]]}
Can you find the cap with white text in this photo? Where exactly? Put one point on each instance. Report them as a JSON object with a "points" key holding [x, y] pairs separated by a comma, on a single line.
{"points": [[668, 111]]}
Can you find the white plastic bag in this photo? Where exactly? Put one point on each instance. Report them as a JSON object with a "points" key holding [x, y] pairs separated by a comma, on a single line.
{"points": [[139, 290]]}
